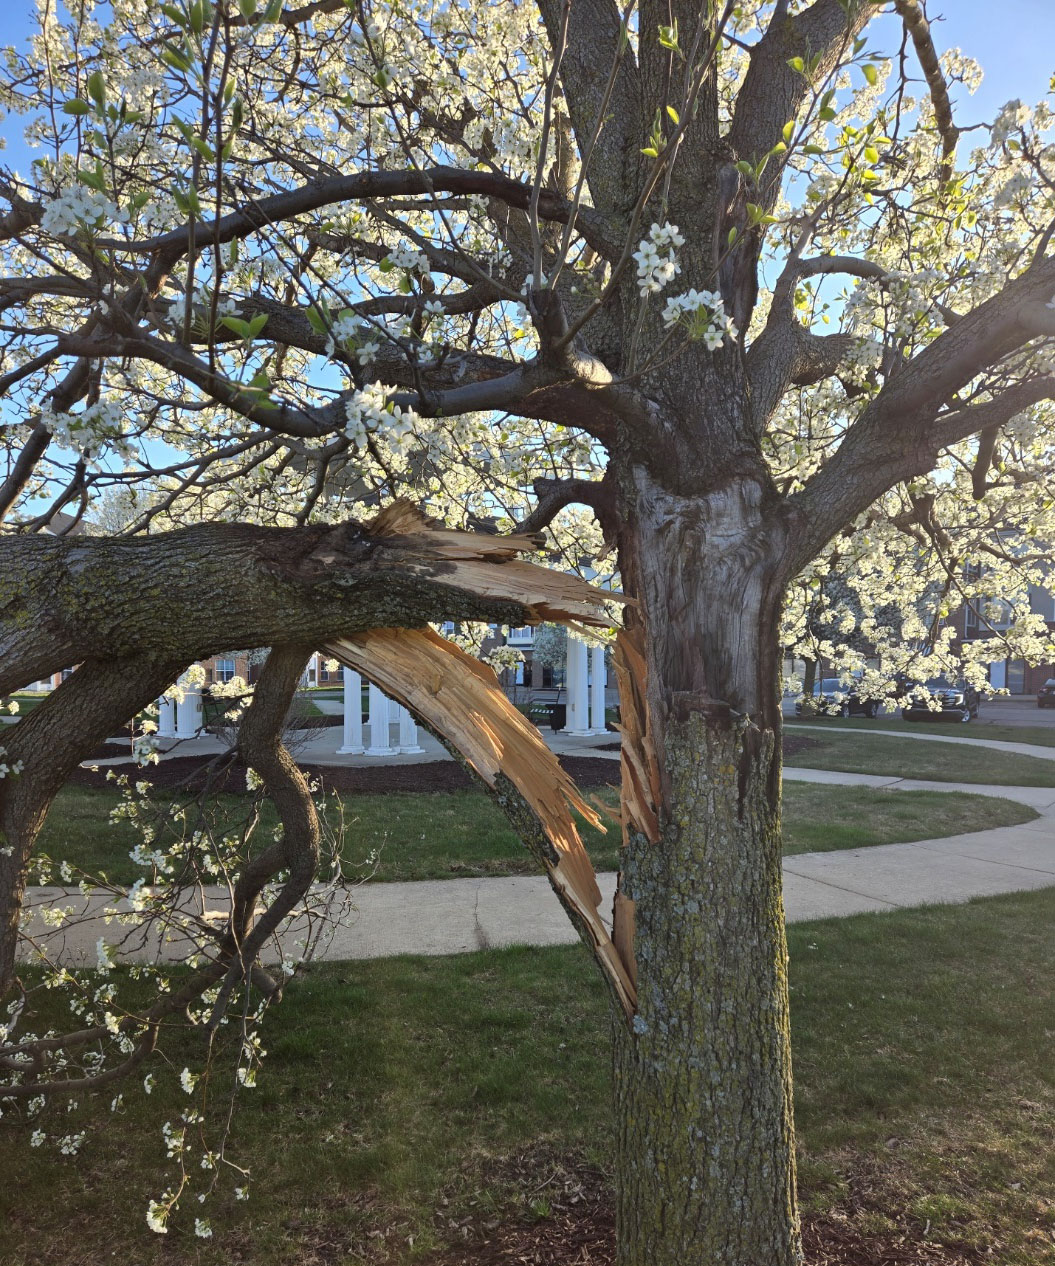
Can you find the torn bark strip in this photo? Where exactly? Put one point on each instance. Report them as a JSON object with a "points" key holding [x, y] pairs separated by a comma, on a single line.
{"points": [[461, 699], [489, 567]]}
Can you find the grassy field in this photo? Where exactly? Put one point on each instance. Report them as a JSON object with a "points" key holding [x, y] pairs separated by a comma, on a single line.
{"points": [[980, 728], [460, 834], [411, 1096], [868, 752]]}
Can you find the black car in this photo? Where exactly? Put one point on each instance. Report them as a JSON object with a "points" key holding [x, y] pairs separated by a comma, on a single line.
{"points": [[1046, 694], [830, 695], [958, 701]]}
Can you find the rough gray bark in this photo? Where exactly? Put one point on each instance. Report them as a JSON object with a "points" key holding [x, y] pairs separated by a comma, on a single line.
{"points": [[705, 1153], [705, 1162], [184, 595]]}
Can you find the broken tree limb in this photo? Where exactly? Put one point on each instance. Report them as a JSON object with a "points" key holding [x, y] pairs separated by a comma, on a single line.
{"points": [[461, 699]]}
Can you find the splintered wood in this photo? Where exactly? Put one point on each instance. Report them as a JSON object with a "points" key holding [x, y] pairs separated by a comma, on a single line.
{"points": [[640, 785], [488, 566], [461, 699]]}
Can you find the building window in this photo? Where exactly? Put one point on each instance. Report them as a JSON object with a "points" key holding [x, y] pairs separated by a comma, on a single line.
{"points": [[224, 669]]}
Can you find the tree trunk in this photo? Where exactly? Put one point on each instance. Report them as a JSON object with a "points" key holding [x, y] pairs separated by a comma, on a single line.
{"points": [[705, 1151]]}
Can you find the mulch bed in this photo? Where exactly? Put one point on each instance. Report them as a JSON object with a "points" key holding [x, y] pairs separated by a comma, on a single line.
{"points": [[190, 772], [568, 1220]]}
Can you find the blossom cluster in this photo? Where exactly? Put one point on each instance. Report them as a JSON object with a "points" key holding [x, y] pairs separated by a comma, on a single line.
{"points": [[102, 423], [703, 312], [346, 331], [370, 411], [79, 208], [408, 258], [1011, 118], [657, 263]]}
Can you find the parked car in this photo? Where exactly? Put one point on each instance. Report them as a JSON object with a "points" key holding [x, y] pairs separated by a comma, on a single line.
{"points": [[829, 693], [1046, 694], [958, 701]]}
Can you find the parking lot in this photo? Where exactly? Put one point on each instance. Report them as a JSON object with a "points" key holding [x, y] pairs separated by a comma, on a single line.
{"points": [[1004, 710]]}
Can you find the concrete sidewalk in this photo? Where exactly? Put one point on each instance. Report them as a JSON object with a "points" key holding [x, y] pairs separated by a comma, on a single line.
{"points": [[458, 915], [998, 745]]}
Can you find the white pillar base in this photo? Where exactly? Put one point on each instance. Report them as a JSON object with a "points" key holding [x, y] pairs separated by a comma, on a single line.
{"points": [[598, 673], [189, 713], [408, 734], [578, 719], [166, 718], [380, 733], [352, 738]]}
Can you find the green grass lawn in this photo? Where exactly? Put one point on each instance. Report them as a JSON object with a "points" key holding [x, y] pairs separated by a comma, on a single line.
{"points": [[876, 753], [402, 1096], [458, 834], [980, 728]]}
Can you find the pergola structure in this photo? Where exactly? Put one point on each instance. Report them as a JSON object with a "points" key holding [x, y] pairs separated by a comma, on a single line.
{"points": [[585, 684]]}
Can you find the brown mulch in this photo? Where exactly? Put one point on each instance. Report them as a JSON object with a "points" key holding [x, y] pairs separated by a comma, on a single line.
{"points": [[567, 1219], [792, 744], [189, 773]]}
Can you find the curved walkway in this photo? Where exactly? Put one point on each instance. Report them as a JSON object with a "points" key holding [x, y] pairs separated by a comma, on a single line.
{"points": [[450, 916], [998, 745]]}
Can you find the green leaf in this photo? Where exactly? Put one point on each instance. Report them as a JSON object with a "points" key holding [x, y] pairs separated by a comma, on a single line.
{"points": [[240, 327], [316, 321], [175, 15], [733, 233], [797, 64], [92, 180], [174, 58], [870, 73], [257, 324], [788, 131], [196, 15], [650, 151], [871, 154], [96, 87], [826, 113], [76, 106], [814, 149], [673, 115]]}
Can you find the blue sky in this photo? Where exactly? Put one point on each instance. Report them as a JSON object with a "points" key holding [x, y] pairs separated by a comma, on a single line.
{"points": [[1014, 41]]}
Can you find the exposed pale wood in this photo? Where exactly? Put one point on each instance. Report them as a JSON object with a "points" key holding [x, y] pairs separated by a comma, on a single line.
{"points": [[461, 699], [640, 784], [467, 560], [641, 781]]}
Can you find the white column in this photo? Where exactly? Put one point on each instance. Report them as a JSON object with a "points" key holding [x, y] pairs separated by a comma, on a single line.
{"points": [[352, 744], [578, 722], [166, 717], [598, 673], [188, 712], [379, 738], [408, 733]]}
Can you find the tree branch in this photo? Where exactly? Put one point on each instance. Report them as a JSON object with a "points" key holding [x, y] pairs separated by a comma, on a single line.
{"points": [[261, 213], [915, 20]]}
